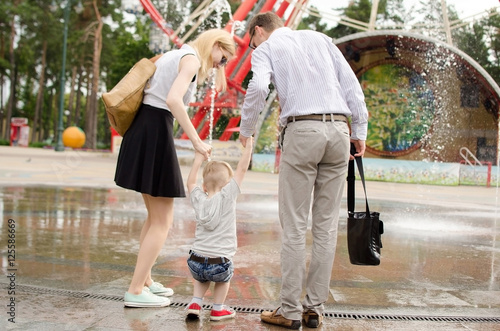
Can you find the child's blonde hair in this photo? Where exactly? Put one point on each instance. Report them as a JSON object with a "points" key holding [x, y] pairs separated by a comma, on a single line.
{"points": [[216, 175], [204, 44]]}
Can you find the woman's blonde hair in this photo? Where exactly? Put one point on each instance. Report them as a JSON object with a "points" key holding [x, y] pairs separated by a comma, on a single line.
{"points": [[204, 44], [216, 175]]}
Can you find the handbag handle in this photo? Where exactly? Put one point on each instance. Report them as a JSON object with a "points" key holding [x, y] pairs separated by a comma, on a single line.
{"points": [[351, 178]]}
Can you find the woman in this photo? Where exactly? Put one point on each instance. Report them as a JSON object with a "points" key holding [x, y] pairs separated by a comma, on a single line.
{"points": [[148, 163]]}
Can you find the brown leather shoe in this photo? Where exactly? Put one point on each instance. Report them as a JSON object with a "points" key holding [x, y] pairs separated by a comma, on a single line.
{"points": [[312, 319], [271, 317]]}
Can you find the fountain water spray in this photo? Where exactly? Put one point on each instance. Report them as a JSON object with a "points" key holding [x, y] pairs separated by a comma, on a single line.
{"points": [[220, 7], [213, 92]]}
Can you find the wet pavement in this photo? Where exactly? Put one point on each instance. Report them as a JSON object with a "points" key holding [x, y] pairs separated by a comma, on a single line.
{"points": [[76, 239]]}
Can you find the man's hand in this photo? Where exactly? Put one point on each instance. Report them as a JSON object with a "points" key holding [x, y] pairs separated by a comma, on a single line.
{"points": [[360, 146]]}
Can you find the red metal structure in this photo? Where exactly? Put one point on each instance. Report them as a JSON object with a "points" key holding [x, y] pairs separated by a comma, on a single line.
{"points": [[236, 70]]}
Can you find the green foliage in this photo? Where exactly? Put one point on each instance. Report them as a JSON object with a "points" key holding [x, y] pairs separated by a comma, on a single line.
{"points": [[313, 22], [129, 48], [37, 22], [38, 144], [359, 10], [104, 146], [471, 41], [268, 135], [480, 40], [220, 126]]}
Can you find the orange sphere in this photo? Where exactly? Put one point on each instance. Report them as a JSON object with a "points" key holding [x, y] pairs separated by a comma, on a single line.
{"points": [[73, 137]]}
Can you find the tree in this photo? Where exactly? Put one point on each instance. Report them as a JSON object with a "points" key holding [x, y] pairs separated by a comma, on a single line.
{"points": [[5, 14], [313, 22], [43, 28], [359, 10], [480, 40], [92, 110], [12, 9], [396, 14], [492, 37], [102, 46]]}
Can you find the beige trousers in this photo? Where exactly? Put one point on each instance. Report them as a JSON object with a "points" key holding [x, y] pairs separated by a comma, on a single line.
{"points": [[313, 169]]}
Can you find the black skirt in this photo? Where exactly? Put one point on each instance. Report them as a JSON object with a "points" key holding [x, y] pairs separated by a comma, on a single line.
{"points": [[147, 162]]}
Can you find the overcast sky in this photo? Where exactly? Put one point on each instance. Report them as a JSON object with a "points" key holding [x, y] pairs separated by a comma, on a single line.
{"points": [[465, 8]]}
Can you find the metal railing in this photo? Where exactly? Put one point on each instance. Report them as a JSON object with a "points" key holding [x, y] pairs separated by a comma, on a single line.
{"points": [[467, 155]]}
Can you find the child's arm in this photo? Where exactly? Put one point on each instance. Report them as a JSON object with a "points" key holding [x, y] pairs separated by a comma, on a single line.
{"points": [[244, 162], [193, 174]]}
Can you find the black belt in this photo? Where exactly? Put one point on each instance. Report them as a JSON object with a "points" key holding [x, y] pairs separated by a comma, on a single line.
{"points": [[209, 260], [318, 117]]}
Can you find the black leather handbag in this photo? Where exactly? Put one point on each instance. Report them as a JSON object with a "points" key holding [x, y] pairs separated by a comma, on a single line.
{"points": [[364, 229]]}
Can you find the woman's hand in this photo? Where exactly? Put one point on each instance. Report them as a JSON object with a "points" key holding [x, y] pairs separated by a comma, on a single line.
{"points": [[204, 149]]}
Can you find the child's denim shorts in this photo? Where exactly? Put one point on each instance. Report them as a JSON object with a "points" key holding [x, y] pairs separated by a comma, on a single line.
{"points": [[204, 272]]}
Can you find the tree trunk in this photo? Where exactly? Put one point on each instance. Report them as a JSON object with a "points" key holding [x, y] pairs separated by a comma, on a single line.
{"points": [[55, 116], [35, 135], [87, 115], [2, 55], [12, 97], [93, 105], [71, 118], [78, 98], [47, 130]]}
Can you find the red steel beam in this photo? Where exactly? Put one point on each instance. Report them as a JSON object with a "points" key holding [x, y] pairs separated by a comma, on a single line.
{"points": [[234, 85], [294, 11]]}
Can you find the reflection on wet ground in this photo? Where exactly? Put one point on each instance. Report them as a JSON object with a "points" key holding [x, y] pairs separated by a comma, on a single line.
{"points": [[434, 258]]}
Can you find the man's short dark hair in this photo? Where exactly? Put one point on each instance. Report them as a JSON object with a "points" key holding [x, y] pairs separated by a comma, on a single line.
{"points": [[269, 21]]}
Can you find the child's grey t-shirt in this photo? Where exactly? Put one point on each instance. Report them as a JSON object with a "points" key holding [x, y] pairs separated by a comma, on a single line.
{"points": [[216, 221]]}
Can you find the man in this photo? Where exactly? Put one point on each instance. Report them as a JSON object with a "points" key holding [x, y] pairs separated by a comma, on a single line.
{"points": [[317, 92]]}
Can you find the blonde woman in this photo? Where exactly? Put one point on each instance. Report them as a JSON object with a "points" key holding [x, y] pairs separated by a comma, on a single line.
{"points": [[148, 163]]}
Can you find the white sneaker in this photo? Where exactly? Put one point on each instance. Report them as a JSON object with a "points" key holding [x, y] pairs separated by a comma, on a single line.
{"points": [[145, 299], [158, 289]]}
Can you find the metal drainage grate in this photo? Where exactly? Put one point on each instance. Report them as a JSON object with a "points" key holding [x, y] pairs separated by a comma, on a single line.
{"points": [[67, 293], [250, 310], [247, 310], [414, 318]]}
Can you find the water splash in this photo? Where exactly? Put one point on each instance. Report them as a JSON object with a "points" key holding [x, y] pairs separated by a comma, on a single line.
{"points": [[237, 26], [213, 15], [440, 60], [436, 62], [220, 7], [213, 92]]}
